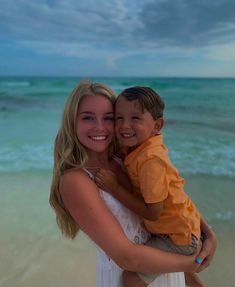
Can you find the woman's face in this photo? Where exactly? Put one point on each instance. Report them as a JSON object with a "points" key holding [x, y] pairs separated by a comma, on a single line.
{"points": [[95, 123]]}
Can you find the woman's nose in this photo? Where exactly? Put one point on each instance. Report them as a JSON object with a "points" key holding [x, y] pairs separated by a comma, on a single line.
{"points": [[100, 124]]}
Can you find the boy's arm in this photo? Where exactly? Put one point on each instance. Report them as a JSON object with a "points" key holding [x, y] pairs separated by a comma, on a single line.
{"points": [[107, 180]]}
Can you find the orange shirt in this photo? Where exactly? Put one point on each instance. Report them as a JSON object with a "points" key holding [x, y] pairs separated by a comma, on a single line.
{"points": [[156, 179]]}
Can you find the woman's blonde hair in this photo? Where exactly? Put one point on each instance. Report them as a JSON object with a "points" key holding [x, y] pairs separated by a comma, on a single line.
{"points": [[69, 153]]}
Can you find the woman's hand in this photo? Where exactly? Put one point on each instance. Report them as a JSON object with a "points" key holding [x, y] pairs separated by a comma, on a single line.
{"points": [[107, 180], [209, 243]]}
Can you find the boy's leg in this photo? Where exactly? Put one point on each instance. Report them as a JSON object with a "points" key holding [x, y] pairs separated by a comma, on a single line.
{"points": [[164, 242], [131, 279]]}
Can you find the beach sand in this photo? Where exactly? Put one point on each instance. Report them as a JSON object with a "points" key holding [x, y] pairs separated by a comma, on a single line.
{"points": [[39, 261], [34, 253]]}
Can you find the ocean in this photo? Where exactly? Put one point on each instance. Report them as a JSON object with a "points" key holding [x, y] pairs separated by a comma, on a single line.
{"points": [[199, 132]]}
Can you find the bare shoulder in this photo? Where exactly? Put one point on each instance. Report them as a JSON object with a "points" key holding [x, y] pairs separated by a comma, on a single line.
{"points": [[74, 179], [76, 188], [74, 175]]}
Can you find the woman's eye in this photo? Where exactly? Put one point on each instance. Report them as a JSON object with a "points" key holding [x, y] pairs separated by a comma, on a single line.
{"points": [[87, 118], [135, 118]]}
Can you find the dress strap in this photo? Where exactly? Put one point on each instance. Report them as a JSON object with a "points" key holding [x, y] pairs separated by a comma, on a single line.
{"points": [[89, 173]]}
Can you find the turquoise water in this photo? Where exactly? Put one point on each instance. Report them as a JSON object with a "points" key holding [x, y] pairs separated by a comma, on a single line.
{"points": [[199, 129]]}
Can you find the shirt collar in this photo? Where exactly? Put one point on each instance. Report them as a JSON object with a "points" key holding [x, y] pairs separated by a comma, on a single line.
{"points": [[153, 141]]}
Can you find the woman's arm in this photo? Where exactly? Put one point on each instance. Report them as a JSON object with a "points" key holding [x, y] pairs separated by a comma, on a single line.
{"points": [[81, 197], [209, 244]]}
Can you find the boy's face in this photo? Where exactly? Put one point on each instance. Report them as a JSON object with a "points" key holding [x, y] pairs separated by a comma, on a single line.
{"points": [[133, 127]]}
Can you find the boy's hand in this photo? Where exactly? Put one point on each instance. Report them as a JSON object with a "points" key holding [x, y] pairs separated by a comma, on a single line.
{"points": [[107, 180]]}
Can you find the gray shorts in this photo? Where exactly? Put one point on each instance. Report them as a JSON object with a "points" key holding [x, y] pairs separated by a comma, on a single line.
{"points": [[164, 242]]}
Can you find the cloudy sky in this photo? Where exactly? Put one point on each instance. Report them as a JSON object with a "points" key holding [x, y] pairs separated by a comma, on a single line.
{"points": [[118, 37]]}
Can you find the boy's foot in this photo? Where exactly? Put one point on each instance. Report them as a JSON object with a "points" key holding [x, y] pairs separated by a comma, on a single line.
{"points": [[193, 280]]}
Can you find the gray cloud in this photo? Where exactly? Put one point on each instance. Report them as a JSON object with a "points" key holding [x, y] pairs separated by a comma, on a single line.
{"points": [[139, 24], [71, 20], [188, 23]]}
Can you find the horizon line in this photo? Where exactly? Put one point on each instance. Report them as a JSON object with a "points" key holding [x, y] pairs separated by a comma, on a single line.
{"points": [[118, 76]]}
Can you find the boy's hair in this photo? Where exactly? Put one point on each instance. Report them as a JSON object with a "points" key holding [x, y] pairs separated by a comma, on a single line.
{"points": [[147, 98]]}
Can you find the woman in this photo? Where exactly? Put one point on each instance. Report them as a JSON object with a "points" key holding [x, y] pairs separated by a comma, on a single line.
{"points": [[84, 143]]}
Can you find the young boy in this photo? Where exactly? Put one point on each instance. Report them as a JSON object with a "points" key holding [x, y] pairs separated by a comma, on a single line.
{"points": [[157, 194]]}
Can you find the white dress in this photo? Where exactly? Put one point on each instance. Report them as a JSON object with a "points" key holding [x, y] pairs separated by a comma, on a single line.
{"points": [[108, 273]]}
